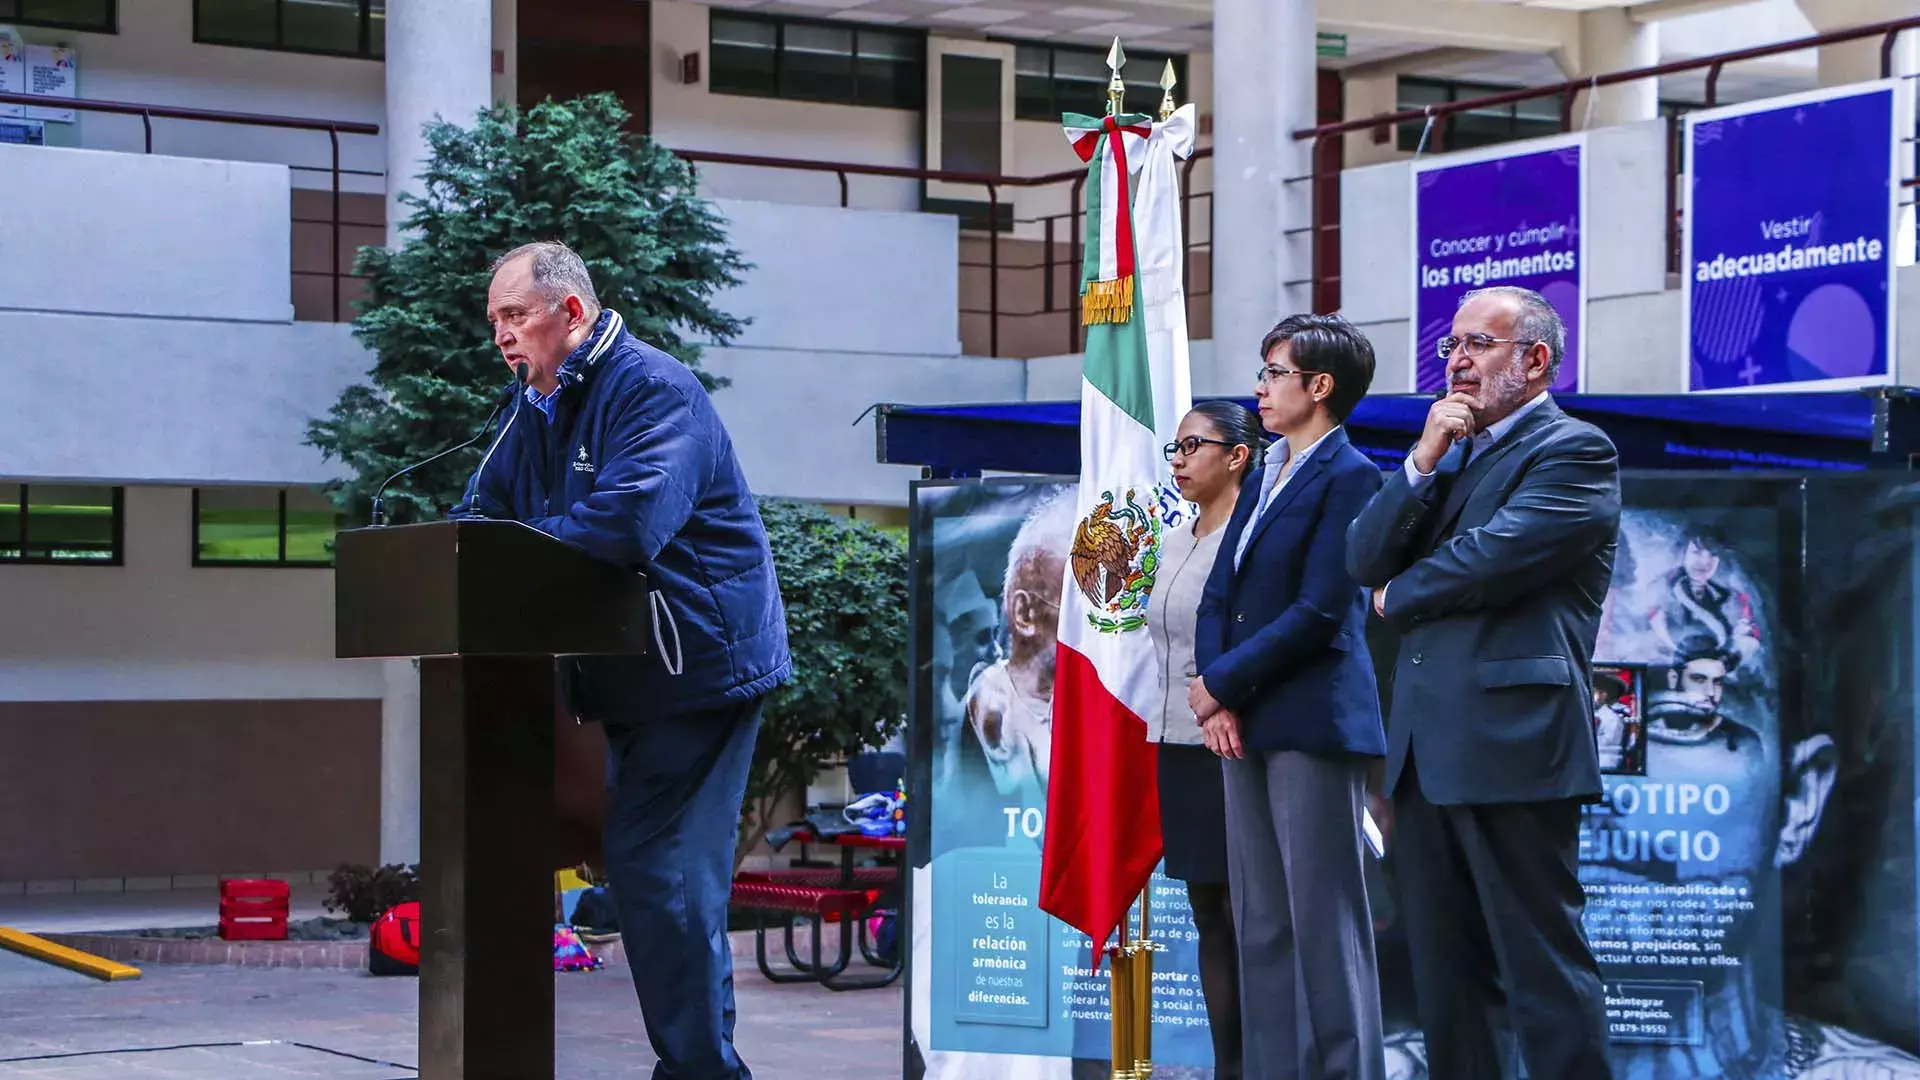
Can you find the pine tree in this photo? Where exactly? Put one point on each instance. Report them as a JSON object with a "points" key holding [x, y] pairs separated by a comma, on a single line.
{"points": [[562, 171]]}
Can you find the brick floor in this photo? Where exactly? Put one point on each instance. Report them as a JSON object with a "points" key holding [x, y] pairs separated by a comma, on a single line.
{"points": [[793, 1032]]}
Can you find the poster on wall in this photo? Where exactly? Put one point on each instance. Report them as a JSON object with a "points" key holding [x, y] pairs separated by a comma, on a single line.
{"points": [[1791, 206], [998, 988], [13, 72], [47, 70], [1500, 216], [52, 71]]}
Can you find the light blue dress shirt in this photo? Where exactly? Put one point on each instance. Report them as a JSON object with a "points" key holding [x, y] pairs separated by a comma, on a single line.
{"points": [[1276, 460], [543, 402]]}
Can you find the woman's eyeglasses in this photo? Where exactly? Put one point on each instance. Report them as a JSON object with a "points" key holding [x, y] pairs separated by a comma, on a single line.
{"points": [[1268, 374], [1190, 446]]}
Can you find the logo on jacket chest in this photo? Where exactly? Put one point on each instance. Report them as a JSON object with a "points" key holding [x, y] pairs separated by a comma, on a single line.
{"points": [[582, 463]]}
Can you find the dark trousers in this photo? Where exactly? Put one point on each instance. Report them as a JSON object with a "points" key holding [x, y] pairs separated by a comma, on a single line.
{"points": [[1309, 982], [1492, 902], [1219, 973], [673, 817]]}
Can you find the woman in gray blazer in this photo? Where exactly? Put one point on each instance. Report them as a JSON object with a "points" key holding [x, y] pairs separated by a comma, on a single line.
{"points": [[1212, 454]]}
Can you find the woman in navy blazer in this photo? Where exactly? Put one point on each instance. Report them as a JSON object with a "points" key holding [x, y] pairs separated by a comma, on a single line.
{"points": [[1287, 697]]}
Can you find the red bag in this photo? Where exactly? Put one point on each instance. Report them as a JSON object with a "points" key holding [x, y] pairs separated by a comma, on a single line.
{"points": [[393, 945]]}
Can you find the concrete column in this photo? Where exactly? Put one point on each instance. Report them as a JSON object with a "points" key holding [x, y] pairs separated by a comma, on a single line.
{"points": [[400, 763], [1263, 91], [1859, 61], [439, 64], [1611, 41], [506, 47]]}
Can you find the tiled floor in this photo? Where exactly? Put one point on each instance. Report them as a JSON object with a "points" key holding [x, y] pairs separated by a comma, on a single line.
{"points": [[56, 1030]]}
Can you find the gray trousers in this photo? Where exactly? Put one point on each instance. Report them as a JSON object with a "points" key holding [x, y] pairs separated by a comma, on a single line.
{"points": [[1296, 860]]}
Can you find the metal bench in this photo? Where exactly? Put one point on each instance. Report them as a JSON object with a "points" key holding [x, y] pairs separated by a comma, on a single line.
{"points": [[793, 893]]}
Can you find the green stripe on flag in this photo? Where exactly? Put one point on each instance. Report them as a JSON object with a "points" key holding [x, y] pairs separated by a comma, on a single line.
{"points": [[1116, 365], [1090, 258]]}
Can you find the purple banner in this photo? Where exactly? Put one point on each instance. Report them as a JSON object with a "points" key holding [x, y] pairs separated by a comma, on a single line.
{"points": [[1790, 265], [1507, 220]]}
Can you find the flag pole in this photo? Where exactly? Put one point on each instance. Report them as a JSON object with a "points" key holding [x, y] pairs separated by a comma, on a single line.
{"points": [[1124, 999], [1143, 991], [1120, 1001], [1140, 960]]}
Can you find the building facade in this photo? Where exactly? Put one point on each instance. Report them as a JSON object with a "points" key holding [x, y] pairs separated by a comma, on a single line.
{"points": [[175, 290]]}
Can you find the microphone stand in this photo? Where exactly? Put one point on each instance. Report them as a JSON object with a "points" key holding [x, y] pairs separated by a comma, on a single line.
{"points": [[379, 516]]}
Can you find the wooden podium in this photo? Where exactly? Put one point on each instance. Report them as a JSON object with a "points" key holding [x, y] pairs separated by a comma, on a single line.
{"points": [[487, 606]]}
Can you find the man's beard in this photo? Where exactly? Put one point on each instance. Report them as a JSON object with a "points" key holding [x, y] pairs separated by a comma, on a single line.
{"points": [[1503, 392]]}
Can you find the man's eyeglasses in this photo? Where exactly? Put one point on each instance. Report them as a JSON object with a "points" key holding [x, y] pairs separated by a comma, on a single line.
{"points": [[1474, 345], [1190, 446]]}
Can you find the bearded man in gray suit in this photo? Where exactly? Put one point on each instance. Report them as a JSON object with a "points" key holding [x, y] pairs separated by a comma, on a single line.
{"points": [[1490, 552]]}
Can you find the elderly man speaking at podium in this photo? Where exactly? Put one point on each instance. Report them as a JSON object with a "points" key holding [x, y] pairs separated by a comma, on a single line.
{"points": [[616, 448]]}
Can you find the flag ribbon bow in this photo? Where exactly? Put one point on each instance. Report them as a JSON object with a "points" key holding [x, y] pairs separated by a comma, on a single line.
{"points": [[1108, 269]]}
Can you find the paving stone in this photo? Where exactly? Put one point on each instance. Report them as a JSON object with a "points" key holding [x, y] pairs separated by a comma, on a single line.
{"points": [[792, 1032]]}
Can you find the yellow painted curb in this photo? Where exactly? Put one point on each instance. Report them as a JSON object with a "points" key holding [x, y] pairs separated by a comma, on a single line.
{"points": [[73, 959]]}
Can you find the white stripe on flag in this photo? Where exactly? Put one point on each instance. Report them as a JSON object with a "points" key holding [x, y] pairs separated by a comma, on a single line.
{"points": [[1111, 207], [1128, 458]]}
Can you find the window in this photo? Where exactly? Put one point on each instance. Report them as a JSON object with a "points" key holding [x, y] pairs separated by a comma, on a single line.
{"points": [[1475, 127], [244, 526], [1049, 80], [333, 27], [1529, 119], [59, 523], [816, 61], [98, 16]]}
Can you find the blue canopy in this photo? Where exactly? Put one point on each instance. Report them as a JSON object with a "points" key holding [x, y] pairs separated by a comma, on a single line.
{"points": [[1793, 431]]}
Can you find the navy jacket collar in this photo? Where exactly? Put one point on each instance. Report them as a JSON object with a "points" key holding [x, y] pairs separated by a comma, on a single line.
{"points": [[581, 363]]}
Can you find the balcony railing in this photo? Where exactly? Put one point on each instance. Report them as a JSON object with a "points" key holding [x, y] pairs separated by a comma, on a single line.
{"points": [[337, 283], [1020, 281], [1327, 232]]}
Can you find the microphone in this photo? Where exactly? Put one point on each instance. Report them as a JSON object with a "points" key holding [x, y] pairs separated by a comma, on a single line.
{"points": [[379, 517]]}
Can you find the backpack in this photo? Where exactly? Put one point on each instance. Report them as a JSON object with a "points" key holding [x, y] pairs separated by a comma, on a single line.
{"points": [[393, 945]]}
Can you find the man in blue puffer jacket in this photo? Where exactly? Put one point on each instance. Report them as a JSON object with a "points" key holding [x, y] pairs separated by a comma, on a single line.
{"points": [[617, 448]]}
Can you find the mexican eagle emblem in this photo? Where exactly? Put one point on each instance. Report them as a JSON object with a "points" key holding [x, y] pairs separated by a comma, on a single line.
{"points": [[1116, 551]]}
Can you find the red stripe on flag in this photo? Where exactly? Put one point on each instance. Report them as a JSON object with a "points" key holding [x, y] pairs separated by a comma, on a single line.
{"points": [[1103, 804]]}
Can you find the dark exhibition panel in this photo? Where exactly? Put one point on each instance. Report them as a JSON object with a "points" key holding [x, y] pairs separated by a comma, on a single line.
{"points": [[1750, 874]]}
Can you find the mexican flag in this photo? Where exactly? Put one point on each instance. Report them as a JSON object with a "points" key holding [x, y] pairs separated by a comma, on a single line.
{"points": [[1103, 808]]}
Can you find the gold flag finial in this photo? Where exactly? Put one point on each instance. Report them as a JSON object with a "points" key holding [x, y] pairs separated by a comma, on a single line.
{"points": [[1168, 80], [1116, 87]]}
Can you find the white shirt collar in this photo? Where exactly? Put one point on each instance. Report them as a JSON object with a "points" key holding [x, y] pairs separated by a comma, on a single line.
{"points": [[1277, 452]]}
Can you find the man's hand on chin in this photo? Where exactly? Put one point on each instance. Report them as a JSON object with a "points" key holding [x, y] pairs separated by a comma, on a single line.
{"points": [[1448, 421]]}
